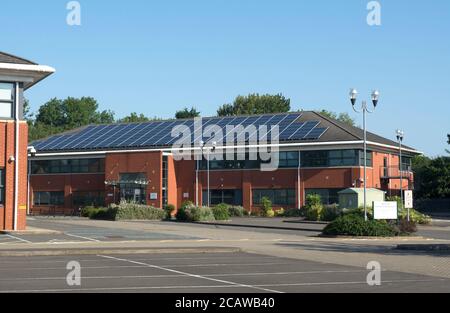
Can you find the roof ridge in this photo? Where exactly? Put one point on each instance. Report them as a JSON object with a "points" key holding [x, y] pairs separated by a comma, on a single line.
{"points": [[338, 124], [19, 58]]}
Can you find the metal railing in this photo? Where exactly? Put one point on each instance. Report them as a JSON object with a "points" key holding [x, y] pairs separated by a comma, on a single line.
{"points": [[392, 172]]}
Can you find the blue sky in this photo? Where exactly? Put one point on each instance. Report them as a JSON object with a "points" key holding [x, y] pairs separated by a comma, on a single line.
{"points": [[155, 57]]}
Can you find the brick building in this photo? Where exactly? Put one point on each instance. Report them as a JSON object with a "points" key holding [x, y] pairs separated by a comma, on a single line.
{"points": [[16, 76], [101, 164]]}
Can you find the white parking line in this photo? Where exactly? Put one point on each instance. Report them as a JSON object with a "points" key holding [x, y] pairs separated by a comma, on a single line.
{"points": [[189, 274], [179, 275], [260, 287], [82, 237], [19, 239]]}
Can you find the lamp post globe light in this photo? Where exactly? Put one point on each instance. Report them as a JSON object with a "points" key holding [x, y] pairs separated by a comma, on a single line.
{"points": [[31, 154], [364, 109], [400, 137]]}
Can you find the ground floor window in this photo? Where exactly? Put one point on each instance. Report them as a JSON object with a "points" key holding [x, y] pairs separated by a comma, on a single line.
{"points": [[88, 198], [133, 187], [328, 196], [284, 197], [2, 186], [49, 198], [228, 196]]}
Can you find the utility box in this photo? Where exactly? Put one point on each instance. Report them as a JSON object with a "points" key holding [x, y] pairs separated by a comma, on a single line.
{"points": [[353, 198]]}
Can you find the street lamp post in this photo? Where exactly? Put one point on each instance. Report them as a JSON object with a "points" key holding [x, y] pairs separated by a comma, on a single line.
{"points": [[400, 137], [365, 109], [31, 153]]}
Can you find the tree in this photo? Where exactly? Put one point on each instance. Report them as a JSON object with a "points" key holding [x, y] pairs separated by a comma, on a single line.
{"points": [[342, 117], [58, 115], [256, 104], [134, 118], [448, 151], [432, 177], [187, 113]]}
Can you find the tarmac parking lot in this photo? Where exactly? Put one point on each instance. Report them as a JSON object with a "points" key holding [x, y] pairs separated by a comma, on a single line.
{"points": [[200, 273]]}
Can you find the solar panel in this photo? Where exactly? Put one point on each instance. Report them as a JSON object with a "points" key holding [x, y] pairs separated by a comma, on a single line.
{"points": [[159, 133]]}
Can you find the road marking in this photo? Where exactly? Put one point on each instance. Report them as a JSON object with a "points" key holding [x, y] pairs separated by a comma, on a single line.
{"points": [[20, 239], [82, 237], [261, 287], [189, 274], [179, 275]]}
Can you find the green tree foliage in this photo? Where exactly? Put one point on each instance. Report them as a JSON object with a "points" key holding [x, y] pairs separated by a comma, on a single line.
{"points": [[187, 113], [432, 177], [256, 104], [448, 151], [342, 117], [61, 115], [134, 118]]}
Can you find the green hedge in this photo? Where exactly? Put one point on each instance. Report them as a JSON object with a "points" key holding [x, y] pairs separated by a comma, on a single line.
{"points": [[355, 225], [133, 211], [195, 214], [236, 211], [221, 212]]}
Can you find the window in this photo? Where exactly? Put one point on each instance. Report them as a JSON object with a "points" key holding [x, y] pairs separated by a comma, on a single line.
{"points": [[228, 196], [2, 186], [277, 196], [88, 198], [49, 198], [406, 164], [6, 100], [328, 196], [133, 187], [68, 166], [335, 158], [289, 159]]}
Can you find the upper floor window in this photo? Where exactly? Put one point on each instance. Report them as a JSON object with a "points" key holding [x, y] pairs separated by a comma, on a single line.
{"points": [[6, 100], [68, 166], [406, 164]]}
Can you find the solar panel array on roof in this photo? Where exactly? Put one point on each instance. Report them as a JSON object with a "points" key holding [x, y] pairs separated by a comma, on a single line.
{"points": [[159, 133]]}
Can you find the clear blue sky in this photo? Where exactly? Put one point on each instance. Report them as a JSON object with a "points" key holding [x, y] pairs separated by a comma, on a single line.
{"points": [[155, 57]]}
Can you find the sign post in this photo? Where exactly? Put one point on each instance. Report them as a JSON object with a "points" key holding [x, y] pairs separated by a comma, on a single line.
{"points": [[409, 202], [385, 210]]}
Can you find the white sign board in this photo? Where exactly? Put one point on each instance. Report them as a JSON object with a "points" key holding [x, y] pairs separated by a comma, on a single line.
{"points": [[153, 196], [385, 210], [409, 202], [186, 195]]}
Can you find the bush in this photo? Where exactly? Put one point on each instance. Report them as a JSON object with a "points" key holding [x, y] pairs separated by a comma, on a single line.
{"points": [[293, 213], [404, 227], [281, 212], [134, 211], [270, 213], [236, 211], [89, 211], [195, 214], [221, 212], [314, 213], [415, 216], [355, 225], [169, 209], [330, 213], [266, 206], [312, 200]]}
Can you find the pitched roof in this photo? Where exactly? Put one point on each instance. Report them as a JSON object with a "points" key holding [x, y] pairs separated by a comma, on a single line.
{"points": [[299, 127], [9, 58]]}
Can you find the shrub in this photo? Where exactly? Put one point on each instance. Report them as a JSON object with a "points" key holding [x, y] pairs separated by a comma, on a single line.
{"points": [[221, 212], [281, 212], [89, 211], [404, 227], [270, 213], [313, 207], [169, 209], [237, 211], [330, 213], [266, 206], [355, 225], [293, 213], [134, 211], [195, 214], [415, 216]]}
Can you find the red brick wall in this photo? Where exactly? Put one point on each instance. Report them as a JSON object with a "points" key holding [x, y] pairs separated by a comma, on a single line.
{"points": [[7, 138], [149, 163]]}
